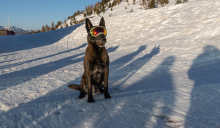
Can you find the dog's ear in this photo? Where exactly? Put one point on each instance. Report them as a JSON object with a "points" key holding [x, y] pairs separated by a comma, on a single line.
{"points": [[102, 22], [88, 25]]}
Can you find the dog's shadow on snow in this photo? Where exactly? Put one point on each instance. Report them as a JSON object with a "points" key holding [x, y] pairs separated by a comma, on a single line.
{"points": [[130, 106], [21, 76], [60, 107], [130, 96]]}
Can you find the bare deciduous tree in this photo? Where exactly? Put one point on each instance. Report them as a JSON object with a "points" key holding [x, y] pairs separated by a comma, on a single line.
{"points": [[118, 1], [89, 7], [43, 29], [144, 2], [97, 6], [47, 28], [78, 12]]}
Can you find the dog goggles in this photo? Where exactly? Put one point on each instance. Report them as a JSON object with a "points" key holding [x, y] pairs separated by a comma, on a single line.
{"points": [[98, 30]]}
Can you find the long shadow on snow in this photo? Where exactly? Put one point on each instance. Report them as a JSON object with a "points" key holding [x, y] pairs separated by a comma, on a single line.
{"points": [[123, 112], [29, 61], [159, 80], [58, 108], [205, 70], [27, 74], [24, 42], [125, 59], [127, 71], [132, 108]]}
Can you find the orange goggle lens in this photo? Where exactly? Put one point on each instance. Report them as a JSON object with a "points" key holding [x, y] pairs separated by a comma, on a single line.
{"points": [[97, 30]]}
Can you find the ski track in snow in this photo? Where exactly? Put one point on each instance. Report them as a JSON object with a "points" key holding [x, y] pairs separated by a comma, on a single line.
{"points": [[164, 72]]}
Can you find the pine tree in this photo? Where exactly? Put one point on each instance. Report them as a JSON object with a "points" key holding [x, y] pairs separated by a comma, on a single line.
{"points": [[97, 11], [114, 3], [178, 1], [43, 29], [58, 24], [52, 25], [151, 4], [109, 5], [103, 8]]}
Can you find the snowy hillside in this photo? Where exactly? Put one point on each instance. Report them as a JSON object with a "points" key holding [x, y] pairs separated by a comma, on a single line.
{"points": [[18, 31], [117, 10], [164, 72]]}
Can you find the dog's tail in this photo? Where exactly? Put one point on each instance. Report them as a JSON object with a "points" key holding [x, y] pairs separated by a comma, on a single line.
{"points": [[74, 86]]}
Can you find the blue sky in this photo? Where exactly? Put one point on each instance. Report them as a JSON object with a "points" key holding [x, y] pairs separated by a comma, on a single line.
{"points": [[32, 14]]}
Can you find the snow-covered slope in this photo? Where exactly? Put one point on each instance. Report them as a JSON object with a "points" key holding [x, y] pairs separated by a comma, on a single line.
{"points": [[18, 31], [122, 8], [164, 72]]}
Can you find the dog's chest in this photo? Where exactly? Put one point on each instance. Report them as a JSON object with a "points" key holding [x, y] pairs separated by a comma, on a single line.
{"points": [[97, 68], [97, 71]]}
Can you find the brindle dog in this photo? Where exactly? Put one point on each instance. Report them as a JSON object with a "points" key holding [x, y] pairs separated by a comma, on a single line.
{"points": [[96, 65]]}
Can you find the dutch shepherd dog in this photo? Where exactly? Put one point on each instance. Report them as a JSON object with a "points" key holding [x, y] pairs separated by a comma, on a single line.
{"points": [[96, 63]]}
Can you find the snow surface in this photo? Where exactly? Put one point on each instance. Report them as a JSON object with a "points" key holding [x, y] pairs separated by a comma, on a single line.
{"points": [[164, 72]]}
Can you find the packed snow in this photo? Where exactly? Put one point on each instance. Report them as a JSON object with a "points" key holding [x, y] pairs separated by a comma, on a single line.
{"points": [[164, 72]]}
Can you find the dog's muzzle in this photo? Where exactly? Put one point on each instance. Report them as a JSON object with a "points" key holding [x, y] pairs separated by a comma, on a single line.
{"points": [[101, 43]]}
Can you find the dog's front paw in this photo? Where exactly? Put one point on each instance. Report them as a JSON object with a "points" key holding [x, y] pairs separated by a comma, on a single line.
{"points": [[90, 100], [107, 96], [101, 90], [81, 95]]}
